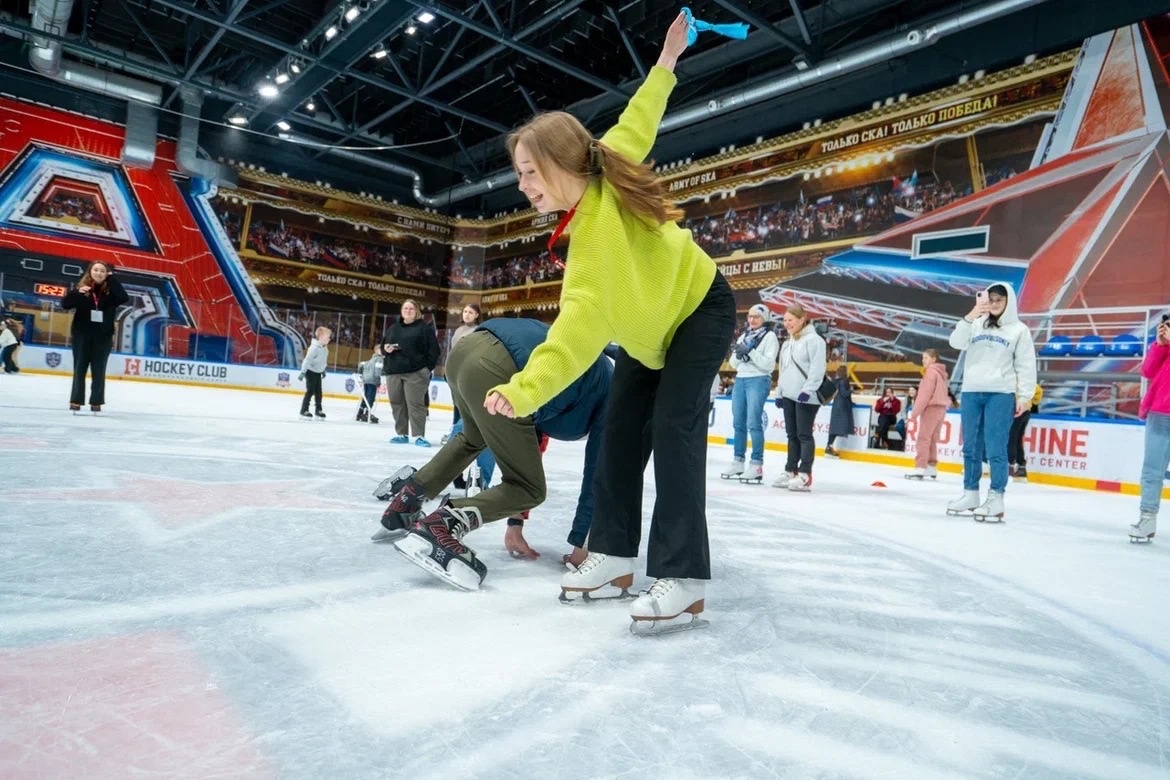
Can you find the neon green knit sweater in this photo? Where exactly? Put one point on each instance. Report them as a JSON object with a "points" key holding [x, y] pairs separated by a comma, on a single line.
{"points": [[625, 281]]}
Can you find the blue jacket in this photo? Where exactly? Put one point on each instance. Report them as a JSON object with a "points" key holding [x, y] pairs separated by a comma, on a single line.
{"points": [[578, 411]]}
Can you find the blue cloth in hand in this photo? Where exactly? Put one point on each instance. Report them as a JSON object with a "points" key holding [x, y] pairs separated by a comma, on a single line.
{"points": [[803, 398]]}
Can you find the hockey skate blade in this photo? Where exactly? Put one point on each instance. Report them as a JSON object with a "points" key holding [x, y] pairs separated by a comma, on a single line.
{"points": [[386, 535], [418, 551], [683, 622]]}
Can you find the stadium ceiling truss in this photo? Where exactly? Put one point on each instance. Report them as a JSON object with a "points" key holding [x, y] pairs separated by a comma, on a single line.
{"points": [[870, 326]]}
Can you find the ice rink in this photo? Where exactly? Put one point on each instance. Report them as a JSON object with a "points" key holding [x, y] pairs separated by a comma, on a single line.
{"points": [[188, 589]]}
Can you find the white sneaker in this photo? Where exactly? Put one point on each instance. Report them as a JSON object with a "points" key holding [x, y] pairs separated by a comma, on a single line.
{"points": [[754, 473], [800, 483], [966, 504], [1143, 530], [932, 472], [596, 572], [734, 470], [992, 509], [783, 480], [668, 598]]}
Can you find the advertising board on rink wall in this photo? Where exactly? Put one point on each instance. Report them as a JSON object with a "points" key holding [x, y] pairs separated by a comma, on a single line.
{"points": [[1087, 453], [56, 360]]}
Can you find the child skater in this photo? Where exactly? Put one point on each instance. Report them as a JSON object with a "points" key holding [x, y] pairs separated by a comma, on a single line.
{"points": [[313, 370], [633, 277], [930, 409], [371, 371]]}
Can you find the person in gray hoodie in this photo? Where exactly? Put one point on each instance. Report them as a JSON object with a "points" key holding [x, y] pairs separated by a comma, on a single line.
{"points": [[371, 371], [802, 369], [999, 379], [313, 370]]}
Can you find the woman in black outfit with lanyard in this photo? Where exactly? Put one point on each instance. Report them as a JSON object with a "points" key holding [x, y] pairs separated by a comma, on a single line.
{"points": [[94, 302]]}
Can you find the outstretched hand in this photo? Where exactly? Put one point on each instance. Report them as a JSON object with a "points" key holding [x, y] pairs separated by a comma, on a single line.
{"points": [[517, 545], [675, 43], [497, 404]]}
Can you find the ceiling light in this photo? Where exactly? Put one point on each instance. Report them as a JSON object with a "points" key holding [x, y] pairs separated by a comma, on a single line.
{"points": [[379, 53], [295, 67], [238, 119], [331, 32], [411, 30], [283, 125], [352, 13], [801, 62], [310, 106], [426, 17], [281, 78], [268, 90]]}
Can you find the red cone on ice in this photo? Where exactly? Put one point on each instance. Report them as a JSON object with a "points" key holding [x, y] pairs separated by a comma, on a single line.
{"points": [[878, 484]]}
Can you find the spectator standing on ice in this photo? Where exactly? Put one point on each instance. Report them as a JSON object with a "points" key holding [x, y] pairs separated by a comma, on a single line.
{"points": [[802, 369], [999, 379], [94, 303], [411, 353], [754, 359], [841, 415], [930, 409], [1155, 409]]}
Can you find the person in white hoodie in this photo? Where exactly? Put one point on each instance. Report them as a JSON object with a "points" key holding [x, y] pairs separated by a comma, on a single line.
{"points": [[802, 369], [753, 357], [999, 379]]}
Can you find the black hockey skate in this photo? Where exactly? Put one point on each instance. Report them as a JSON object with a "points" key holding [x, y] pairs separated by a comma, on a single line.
{"points": [[435, 544], [406, 500]]}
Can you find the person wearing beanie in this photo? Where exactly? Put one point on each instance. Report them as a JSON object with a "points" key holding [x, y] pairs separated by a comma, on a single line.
{"points": [[754, 359]]}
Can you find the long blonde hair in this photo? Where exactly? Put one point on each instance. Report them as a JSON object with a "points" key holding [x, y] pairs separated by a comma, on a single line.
{"points": [[557, 141]]}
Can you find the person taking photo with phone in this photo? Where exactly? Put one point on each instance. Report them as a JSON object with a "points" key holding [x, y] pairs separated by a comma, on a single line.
{"points": [[999, 379]]}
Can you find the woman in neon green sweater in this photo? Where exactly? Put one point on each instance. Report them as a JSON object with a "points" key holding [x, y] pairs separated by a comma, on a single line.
{"points": [[633, 277]]}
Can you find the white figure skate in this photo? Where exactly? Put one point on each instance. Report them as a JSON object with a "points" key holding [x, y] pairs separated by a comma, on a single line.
{"points": [[734, 470], [670, 605], [1142, 532], [598, 573], [965, 505], [992, 509], [800, 483], [753, 475], [783, 480]]}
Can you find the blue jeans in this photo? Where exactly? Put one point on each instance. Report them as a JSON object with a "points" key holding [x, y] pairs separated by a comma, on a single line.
{"points": [[748, 395], [485, 459], [987, 421], [371, 393], [1157, 460]]}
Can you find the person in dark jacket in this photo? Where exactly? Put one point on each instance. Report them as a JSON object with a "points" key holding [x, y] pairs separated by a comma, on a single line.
{"points": [[488, 357], [94, 303], [841, 416], [411, 351]]}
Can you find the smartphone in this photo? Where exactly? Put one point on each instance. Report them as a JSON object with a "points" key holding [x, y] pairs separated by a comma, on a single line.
{"points": [[981, 296], [1166, 318]]}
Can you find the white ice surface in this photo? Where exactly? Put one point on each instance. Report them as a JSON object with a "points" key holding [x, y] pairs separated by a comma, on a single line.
{"points": [[221, 544]]}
